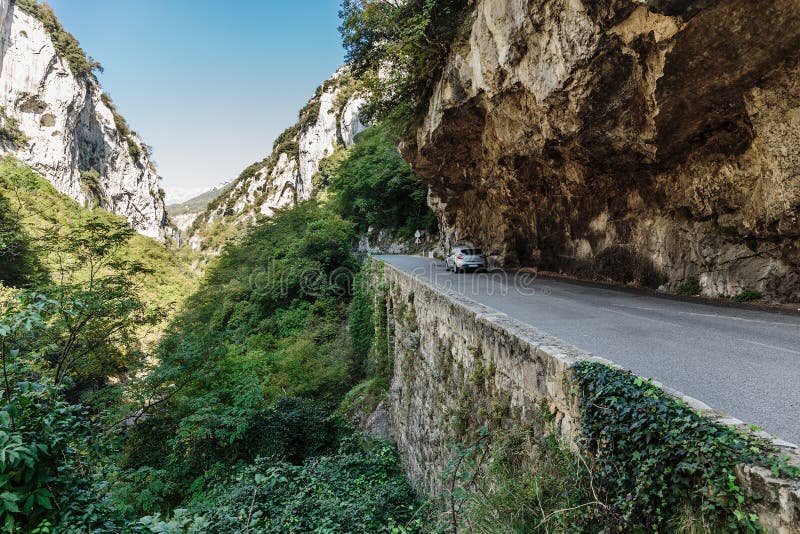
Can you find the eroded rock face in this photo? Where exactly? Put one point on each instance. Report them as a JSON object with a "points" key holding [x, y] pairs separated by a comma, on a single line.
{"points": [[70, 129], [564, 133]]}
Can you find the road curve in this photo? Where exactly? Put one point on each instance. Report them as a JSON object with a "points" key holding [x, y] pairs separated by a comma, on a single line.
{"points": [[743, 362]]}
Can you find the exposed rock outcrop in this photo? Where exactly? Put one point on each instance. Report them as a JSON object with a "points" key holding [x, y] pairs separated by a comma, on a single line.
{"points": [[68, 129], [329, 121], [583, 136]]}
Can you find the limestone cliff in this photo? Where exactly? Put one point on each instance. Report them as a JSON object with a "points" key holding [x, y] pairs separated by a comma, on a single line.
{"points": [[60, 123], [328, 121], [648, 141]]}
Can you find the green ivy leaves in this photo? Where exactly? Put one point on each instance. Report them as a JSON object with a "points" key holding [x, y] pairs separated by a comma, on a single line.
{"points": [[655, 456]]}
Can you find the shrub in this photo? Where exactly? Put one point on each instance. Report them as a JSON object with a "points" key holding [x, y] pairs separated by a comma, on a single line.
{"points": [[398, 50], [748, 295], [359, 489], [689, 288], [90, 184], [49, 465], [287, 142], [10, 132], [268, 323], [309, 114], [19, 264]]}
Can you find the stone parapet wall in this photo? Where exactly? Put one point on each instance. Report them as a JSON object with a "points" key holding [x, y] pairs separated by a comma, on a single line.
{"points": [[460, 365]]}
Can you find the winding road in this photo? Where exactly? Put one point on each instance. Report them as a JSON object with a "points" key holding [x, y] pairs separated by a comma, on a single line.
{"points": [[743, 362]]}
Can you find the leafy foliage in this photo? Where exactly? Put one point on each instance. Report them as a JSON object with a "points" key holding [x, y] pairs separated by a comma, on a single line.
{"points": [[64, 42], [690, 287], [653, 456], [10, 132], [362, 326], [249, 380], [359, 489], [43, 218], [398, 50], [747, 296], [77, 327], [309, 114], [374, 186], [19, 265], [522, 479], [50, 473]]}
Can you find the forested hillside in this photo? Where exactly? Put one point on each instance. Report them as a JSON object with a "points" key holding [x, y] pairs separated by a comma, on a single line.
{"points": [[245, 411]]}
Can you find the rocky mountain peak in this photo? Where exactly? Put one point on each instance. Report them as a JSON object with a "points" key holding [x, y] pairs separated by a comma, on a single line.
{"points": [[56, 119], [329, 121]]}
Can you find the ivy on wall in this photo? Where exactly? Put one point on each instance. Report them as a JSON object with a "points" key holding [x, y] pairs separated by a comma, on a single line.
{"points": [[655, 457]]}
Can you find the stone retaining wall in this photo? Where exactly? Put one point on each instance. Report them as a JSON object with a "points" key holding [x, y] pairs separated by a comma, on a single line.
{"points": [[460, 365]]}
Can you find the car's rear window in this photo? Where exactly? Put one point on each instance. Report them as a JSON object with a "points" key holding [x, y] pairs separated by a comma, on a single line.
{"points": [[471, 251]]}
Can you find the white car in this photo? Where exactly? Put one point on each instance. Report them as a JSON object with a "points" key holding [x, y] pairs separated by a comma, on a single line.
{"points": [[464, 258]]}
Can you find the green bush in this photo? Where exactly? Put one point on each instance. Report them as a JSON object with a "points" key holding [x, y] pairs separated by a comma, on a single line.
{"points": [[747, 296], [51, 472], [309, 114], [414, 38], [690, 287], [268, 322], [19, 264], [10, 132], [187, 453], [359, 489], [249, 376]]}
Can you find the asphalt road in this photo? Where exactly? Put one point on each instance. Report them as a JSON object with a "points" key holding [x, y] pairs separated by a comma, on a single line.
{"points": [[743, 362]]}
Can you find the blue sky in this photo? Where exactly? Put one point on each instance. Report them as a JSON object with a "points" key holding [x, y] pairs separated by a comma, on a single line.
{"points": [[208, 83]]}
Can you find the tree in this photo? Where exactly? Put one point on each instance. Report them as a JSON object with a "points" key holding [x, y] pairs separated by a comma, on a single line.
{"points": [[94, 320], [374, 186], [398, 49], [19, 266]]}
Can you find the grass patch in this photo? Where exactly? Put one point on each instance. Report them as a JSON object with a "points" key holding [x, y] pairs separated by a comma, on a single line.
{"points": [[523, 479]]}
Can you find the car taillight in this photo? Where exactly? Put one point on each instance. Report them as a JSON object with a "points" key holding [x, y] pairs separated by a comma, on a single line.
{"points": [[460, 257]]}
